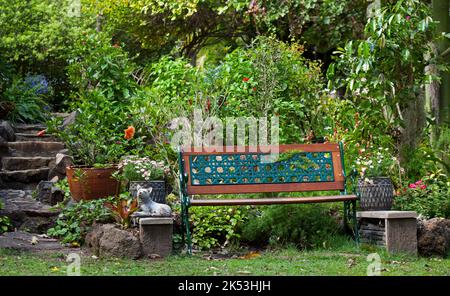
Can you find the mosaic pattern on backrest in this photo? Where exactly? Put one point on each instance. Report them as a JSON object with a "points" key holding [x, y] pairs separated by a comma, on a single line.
{"points": [[234, 169]]}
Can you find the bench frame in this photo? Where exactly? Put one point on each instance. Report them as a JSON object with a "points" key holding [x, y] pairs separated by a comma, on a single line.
{"points": [[340, 183]]}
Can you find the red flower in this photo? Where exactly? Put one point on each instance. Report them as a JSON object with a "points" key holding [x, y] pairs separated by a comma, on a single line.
{"points": [[408, 17], [41, 133], [254, 89], [423, 186], [245, 79], [129, 133], [418, 182], [412, 185]]}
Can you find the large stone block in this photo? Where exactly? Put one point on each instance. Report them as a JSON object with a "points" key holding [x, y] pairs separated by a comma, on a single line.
{"points": [[396, 230], [156, 236]]}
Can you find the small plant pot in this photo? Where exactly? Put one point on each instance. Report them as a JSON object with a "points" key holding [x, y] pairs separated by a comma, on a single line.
{"points": [[158, 193], [87, 183], [376, 194]]}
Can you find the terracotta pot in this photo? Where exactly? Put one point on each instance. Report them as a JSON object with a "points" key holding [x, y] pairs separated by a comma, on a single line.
{"points": [[87, 183]]}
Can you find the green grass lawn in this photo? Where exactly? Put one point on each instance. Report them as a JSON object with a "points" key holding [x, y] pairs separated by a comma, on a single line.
{"points": [[344, 260]]}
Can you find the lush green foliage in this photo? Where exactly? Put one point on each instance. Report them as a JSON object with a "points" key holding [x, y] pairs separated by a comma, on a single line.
{"points": [[304, 226], [429, 196], [217, 226], [28, 100], [5, 222], [122, 207], [76, 219]]}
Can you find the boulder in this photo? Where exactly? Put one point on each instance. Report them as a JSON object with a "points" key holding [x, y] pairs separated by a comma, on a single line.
{"points": [[70, 119], [433, 237], [58, 167], [48, 193], [6, 131], [107, 240]]}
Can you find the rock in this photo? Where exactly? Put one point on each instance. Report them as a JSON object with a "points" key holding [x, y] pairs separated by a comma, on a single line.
{"points": [[434, 237], [48, 193], [58, 167], [25, 212], [108, 240], [7, 132], [23, 241], [70, 119]]}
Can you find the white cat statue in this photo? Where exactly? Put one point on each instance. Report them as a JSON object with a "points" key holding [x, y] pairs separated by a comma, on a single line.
{"points": [[149, 208]]}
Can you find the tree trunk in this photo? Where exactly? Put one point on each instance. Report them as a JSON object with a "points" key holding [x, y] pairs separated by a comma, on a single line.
{"points": [[441, 14]]}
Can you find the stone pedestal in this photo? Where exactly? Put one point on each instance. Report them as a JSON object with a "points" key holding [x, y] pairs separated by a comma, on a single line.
{"points": [[156, 235], [396, 230]]}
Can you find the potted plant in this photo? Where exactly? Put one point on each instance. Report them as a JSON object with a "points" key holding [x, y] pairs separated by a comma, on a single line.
{"points": [[374, 187], [144, 172], [96, 140]]}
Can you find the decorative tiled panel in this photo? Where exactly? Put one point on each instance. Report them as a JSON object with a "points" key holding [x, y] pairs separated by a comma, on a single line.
{"points": [[234, 169]]}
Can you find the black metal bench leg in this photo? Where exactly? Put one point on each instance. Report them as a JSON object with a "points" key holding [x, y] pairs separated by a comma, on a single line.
{"points": [[355, 222], [185, 218], [346, 220]]}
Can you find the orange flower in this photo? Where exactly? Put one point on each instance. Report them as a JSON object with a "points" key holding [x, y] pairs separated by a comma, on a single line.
{"points": [[129, 133]]}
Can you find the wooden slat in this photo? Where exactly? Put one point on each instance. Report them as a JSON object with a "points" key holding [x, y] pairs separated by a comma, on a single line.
{"points": [[270, 201], [329, 147]]}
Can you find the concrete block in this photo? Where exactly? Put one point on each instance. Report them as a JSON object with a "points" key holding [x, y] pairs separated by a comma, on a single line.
{"points": [[156, 236]]}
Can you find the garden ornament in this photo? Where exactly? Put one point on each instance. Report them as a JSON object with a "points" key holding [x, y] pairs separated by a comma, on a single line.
{"points": [[149, 208]]}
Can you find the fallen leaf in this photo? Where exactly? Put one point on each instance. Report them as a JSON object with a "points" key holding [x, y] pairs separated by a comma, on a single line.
{"points": [[243, 272], [351, 262], [251, 255], [75, 245], [34, 240]]}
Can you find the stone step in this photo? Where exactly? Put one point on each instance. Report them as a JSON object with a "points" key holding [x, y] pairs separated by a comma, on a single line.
{"points": [[29, 128], [25, 163], [18, 186], [25, 212], [35, 148], [24, 176], [24, 137]]}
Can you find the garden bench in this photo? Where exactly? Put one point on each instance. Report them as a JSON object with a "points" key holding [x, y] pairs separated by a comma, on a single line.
{"points": [[240, 170]]}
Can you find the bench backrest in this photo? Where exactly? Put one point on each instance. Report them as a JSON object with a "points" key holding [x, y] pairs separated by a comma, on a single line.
{"points": [[300, 167]]}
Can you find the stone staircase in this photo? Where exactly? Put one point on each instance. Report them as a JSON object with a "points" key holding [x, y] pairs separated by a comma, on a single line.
{"points": [[27, 160], [23, 164]]}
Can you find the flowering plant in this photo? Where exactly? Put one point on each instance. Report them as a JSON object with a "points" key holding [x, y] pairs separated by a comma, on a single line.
{"points": [[429, 196], [375, 162], [142, 169]]}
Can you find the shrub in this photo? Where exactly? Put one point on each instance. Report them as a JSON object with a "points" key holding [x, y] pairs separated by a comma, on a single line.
{"points": [[430, 196], [27, 97], [75, 220], [217, 226], [5, 222], [305, 226]]}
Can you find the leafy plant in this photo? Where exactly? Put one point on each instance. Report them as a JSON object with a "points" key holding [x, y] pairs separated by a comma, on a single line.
{"points": [[429, 196], [122, 207], [217, 226], [75, 220], [27, 100], [5, 222], [305, 226]]}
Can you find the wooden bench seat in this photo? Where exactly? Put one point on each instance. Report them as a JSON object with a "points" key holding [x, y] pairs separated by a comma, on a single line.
{"points": [[245, 170], [270, 201]]}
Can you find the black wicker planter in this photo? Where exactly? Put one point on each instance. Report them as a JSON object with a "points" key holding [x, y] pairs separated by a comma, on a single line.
{"points": [[158, 193], [376, 194]]}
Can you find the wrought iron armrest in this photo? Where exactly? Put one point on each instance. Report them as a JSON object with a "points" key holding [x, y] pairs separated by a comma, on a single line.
{"points": [[352, 179]]}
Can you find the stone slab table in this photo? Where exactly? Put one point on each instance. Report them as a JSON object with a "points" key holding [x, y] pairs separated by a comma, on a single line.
{"points": [[395, 230], [155, 234]]}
